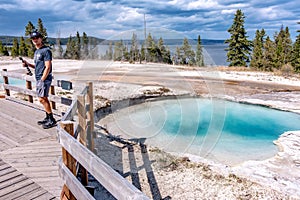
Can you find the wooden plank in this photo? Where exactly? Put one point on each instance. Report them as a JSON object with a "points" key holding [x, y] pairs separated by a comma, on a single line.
{"points": [[71, 111], [81, 119], [7, 171], [4, 146], [108, 177], [5, 78], [35, 132], [35, 163], [46, 196], [82, 132], [72, 182], [34, 175], [18, 76], [12, 181], [8, 141], [40, 169], [6, 193], [35, 194], [24, 160], [90, 117], [15, 154], [34, 153], [8, 176], [4, 166], [25, 91], [21, 192], [68, 160]]}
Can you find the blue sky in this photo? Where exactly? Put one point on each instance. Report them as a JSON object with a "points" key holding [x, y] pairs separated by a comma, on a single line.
{"points": [[171, 18]]}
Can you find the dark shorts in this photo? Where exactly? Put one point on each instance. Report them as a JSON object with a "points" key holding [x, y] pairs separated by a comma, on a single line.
{"points": [[42, 88]]}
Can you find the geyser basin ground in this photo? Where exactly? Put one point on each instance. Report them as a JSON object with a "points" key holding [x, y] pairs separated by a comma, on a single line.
{"points": [[219, 130]]}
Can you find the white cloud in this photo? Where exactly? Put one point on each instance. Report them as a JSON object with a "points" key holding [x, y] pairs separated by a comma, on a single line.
{"points": [[273, 13], [7, 6], [240, 5], [230, 11], [129, 15], [202, 4]]}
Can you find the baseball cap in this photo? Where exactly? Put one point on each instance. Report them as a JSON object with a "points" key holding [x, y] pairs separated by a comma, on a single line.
{"points": [[35, 34]]}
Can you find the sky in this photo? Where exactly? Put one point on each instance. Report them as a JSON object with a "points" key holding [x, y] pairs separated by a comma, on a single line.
{"points": [[167, 18]]}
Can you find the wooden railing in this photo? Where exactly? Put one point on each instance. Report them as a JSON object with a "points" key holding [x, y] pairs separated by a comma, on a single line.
{"points": [[78, 153], [75, 151], [28, 90]]}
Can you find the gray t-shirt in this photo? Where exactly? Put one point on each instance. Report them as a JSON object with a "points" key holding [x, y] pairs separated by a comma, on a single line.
{"points": [[40, 56]]}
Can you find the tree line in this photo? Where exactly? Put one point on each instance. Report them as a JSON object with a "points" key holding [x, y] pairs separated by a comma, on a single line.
{"points": [[155, 51], [263, 53], [83, 47]]}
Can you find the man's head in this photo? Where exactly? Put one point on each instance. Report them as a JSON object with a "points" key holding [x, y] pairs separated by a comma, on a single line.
{"points": [[35, 34]]}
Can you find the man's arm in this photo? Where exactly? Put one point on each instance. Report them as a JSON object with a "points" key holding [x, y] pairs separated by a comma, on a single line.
{"points": [[28, 64], [48, 65]]}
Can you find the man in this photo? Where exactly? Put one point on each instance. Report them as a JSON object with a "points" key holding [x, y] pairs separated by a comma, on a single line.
{"points": [[43, 75]]}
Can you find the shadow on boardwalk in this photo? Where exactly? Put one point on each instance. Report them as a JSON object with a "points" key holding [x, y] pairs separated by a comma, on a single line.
{"points": [[130, 158]]}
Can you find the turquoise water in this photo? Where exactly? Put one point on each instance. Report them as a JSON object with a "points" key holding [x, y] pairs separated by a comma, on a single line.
{"points": [[14, 81], [219, 130]]}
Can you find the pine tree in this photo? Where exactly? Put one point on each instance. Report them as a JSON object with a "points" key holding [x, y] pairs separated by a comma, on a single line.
{"points": [[283, 47], [85, 45], [42, 30], [269, 55], [30, 46], [295, 58], [134, 50], [143, 52], [23, 47], [70, 49], [118, 51], [258, 48], [151, 53], [163, 52], [178, 56], [188, 55], [199, 53], [1, 48], [239, 46], [77, 47], [15, 48]]}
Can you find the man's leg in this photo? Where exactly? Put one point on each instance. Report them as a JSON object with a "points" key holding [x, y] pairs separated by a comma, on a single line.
{"points": [[51, 122], [45, 102]]}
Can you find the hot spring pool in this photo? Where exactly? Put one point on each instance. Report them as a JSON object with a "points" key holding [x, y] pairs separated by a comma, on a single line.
{"points": [[219, 130], [14, 81]]}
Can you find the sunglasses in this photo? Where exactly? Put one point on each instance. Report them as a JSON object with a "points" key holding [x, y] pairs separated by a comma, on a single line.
{"points": [[34, 38]]}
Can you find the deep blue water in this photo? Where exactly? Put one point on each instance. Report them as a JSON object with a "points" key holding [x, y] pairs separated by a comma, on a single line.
{"points": [[220, 130]]}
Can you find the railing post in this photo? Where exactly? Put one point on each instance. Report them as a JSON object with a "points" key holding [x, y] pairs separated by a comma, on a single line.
{"points": [[68, 160], [5, 79], [29, 86], [52, 92], [82, 132], [90, 117]]}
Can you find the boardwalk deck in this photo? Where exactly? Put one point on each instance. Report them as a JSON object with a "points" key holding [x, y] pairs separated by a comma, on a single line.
{"points": [[28, 154]]}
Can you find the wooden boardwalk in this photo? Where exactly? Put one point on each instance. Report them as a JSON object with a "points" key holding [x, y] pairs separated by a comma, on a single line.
{"points": [[28, 154]]}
